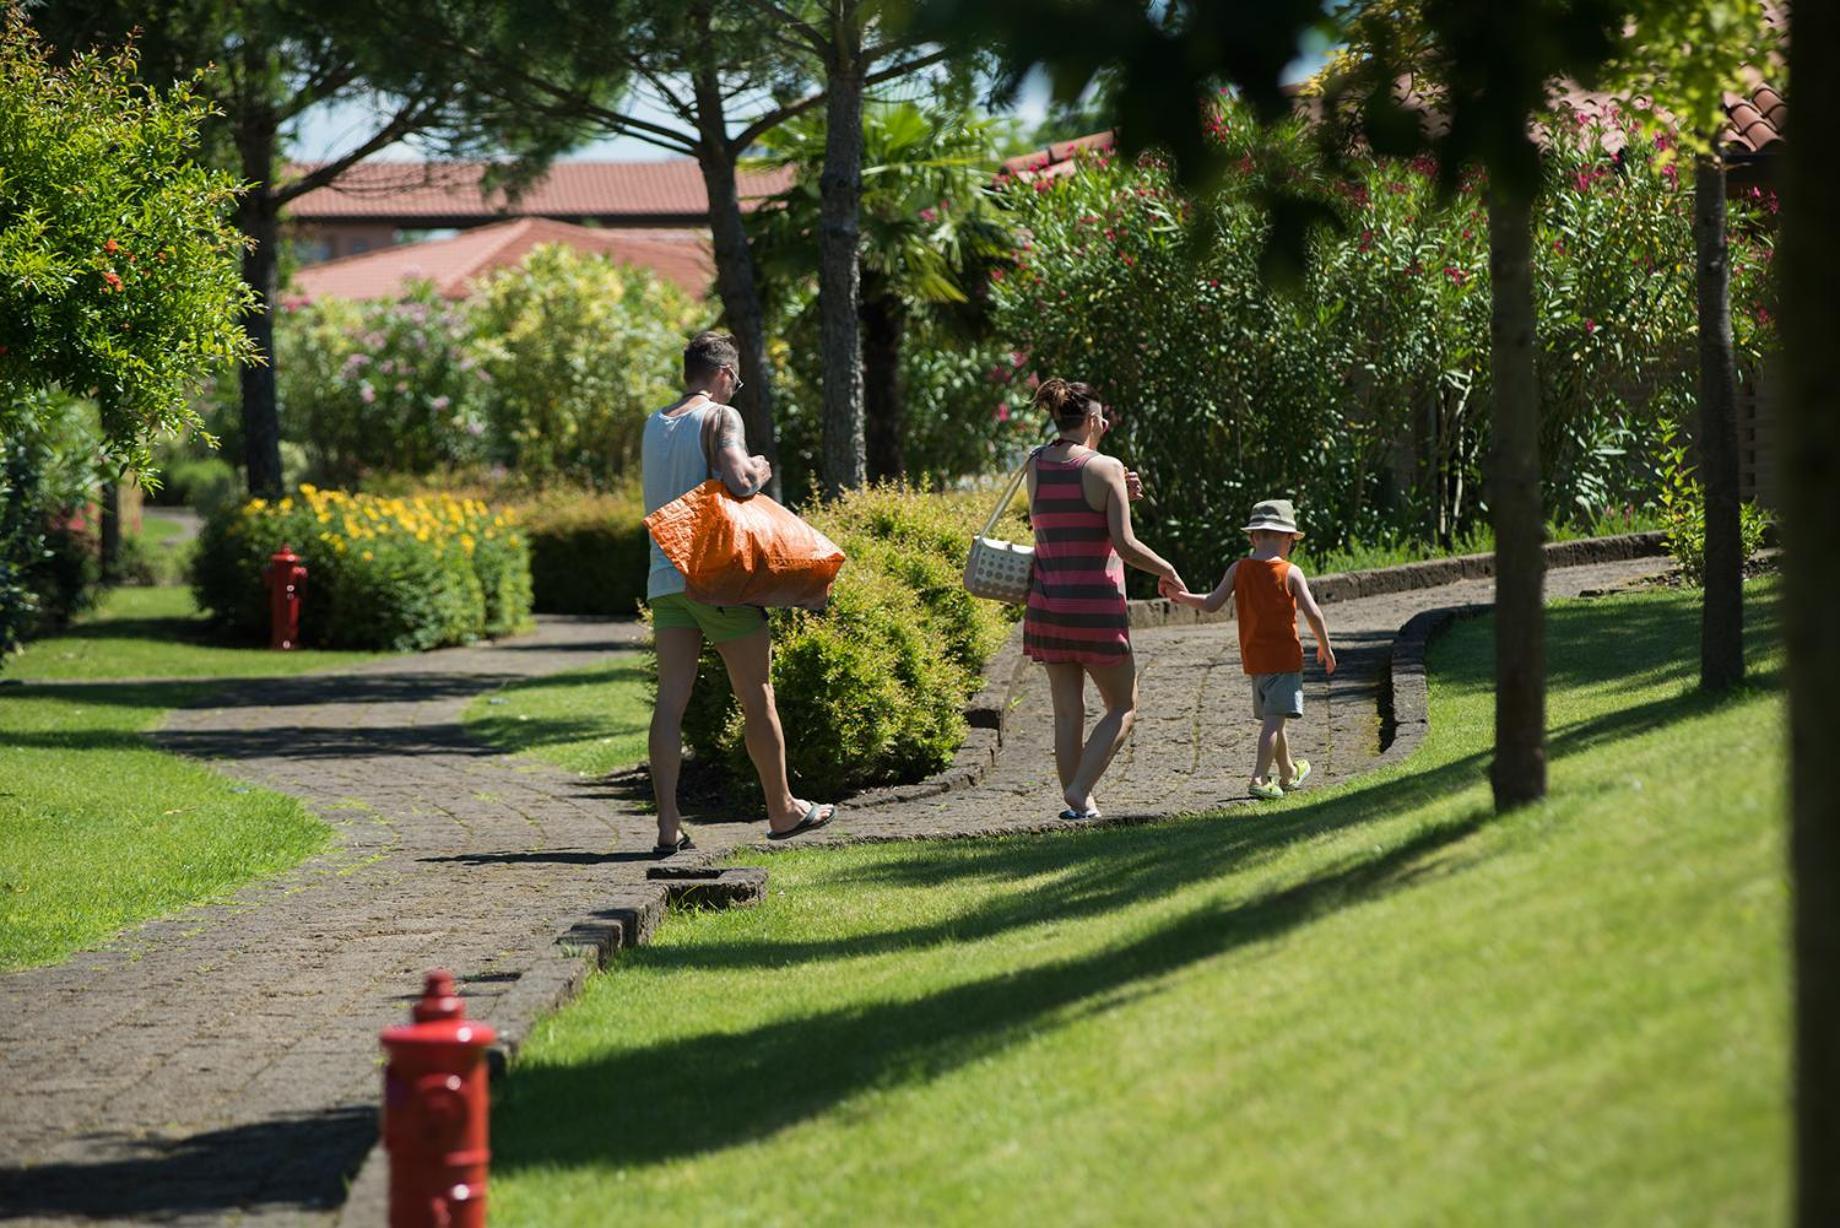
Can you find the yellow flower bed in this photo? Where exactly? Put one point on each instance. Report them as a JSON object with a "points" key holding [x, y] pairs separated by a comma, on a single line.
{"points": [[383, 572]]}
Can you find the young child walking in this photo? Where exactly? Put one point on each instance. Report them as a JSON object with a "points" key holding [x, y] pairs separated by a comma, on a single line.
{"points": [[1267, 591]]}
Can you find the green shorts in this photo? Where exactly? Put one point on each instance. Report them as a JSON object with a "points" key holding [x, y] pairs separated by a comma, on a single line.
{"points": [[718, 623]]}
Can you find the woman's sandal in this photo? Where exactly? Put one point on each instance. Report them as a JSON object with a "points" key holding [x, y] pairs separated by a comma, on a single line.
{"points": [[683, 845], [811, 822], [1074, 816]]}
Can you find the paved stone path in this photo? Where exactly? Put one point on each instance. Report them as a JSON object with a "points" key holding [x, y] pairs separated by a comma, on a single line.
{"points": [[220, 1065]]}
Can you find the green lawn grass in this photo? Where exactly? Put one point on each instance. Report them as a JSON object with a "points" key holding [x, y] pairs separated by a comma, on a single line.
{"points": [[98, 830], [157, 633], [590, 720], [1369, 1004]]}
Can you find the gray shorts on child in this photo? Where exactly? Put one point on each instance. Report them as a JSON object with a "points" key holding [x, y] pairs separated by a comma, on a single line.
{"points": [[1277, 694]]}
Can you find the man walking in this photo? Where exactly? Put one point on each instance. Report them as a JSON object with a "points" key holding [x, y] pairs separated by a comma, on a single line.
{"points": [[697, 437]]}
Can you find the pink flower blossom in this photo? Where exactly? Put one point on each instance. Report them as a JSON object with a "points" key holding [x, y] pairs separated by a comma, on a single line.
{"points": [[1590, 326], [928, 216], [1002, 411], [366, 393], [440, 403]]}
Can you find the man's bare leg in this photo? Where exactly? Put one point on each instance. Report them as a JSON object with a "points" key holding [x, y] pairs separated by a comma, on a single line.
{"points": [[678, 650], [749, 661]]}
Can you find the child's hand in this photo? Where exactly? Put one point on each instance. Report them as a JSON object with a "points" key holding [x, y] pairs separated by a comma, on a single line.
{"points": [[1193, 601], [1325, 657]]}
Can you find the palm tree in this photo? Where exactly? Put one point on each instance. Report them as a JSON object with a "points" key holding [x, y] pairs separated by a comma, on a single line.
{"points": [[929, 230]]}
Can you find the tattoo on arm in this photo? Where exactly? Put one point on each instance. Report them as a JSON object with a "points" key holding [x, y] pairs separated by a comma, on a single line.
{"points": [[730, 431]]}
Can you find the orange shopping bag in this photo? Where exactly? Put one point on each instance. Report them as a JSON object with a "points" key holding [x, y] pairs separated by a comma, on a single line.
{"points": [[744, 551]]}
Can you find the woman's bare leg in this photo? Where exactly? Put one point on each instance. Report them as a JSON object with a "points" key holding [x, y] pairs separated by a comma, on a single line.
{"points": [[1067, 686], [1118, 690]]}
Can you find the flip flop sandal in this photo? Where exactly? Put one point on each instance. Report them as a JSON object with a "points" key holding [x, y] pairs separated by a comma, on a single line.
{"points": [[683, 845], [811, 822], [1074, 816]]}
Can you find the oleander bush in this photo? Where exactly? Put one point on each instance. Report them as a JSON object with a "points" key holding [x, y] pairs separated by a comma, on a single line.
{"points": [[398, 574], [872, 690], [1362, 393], [380, 386]]}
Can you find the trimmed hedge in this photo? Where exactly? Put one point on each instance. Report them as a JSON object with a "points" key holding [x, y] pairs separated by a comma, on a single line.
{"points": [[872, 690], [392, 574], [589, 553]]}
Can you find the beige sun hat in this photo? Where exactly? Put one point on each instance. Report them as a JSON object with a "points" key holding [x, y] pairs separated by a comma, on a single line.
{"points": [[1274, 515]]}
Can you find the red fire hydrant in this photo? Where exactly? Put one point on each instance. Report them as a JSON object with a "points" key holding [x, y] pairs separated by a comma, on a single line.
{"points": [[285, 576], [435, 1113]]}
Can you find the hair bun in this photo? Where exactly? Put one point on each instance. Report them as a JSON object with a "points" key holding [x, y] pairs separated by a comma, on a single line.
{"points": [[1053, 395]]}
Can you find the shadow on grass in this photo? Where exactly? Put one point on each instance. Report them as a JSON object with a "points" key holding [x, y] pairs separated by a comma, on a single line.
{"points": [[683, 1097]]}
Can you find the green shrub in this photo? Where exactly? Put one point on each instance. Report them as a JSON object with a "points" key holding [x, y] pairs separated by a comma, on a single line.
{"points": [[589, 553], [393, 574], [48, 569], [872, 690], [1683, 512], [577, 350], [120, 261], [381, 385]]}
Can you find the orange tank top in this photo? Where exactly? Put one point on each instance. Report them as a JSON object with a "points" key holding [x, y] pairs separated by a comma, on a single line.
{"points": [[1267, 614]]}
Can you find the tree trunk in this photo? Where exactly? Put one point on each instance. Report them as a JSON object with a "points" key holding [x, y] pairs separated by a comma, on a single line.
{"points": [[884, 324], [736, 282], [109, 540], [259, 218], [1519, 771], [839, 199], [1810, 269], [1721, 636]]}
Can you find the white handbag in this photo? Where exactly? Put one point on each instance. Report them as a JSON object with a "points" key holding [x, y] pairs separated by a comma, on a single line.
{"points": [[998, 569]]}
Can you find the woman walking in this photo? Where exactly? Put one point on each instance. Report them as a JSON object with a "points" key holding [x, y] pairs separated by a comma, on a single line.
{"points": [[1076, 622]]}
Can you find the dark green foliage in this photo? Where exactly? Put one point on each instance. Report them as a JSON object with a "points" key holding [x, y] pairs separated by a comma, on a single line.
{"points": [[589, 553], [48, 564]]}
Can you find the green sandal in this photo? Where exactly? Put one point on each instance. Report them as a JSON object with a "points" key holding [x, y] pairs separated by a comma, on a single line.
{"points": [[1265, 791], [1296, 782]]}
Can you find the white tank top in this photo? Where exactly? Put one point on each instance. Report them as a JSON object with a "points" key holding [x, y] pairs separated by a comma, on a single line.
{"points": [[672, 462]]}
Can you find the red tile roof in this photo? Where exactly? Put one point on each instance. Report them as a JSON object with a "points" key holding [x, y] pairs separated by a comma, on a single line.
{"points": [[453, 264], [1754, 124], [450, 192]]}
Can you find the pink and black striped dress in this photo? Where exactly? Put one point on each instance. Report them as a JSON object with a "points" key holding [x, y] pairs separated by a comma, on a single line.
{"points": [[1076, 610]]}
